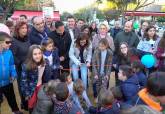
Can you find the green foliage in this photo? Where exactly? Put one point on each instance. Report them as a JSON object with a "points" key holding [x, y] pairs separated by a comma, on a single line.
{"points": [[64, 15], [161, 19]]}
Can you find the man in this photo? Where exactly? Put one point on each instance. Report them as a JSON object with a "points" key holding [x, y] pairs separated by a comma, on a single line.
{"points": [[80, 23], [38, 31], [62, 41], [72, 28], [23, 18], [116, 29], [127, 36], [144, 25]]}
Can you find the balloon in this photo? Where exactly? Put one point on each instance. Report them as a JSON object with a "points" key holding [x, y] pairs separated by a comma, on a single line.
{"points": [[148, 61], [4, 28], [135, 25]]}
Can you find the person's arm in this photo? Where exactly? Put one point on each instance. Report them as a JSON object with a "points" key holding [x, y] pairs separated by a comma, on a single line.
{"points": [[13, 72], [109, 64], [14, 50], [89, 54], [94, 63], [66, 55], [56, 59], [72, 56]]}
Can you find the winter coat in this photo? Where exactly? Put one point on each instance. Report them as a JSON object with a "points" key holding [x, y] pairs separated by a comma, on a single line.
{"points": [[29, 79], [74, 54], [142, 78], [97, 38], [7, 67], [130, 87], [36, 37], [63, 43], [114, 32], [130, 38], [44, 103], [160, 59], [20, 49], [96, 62]]}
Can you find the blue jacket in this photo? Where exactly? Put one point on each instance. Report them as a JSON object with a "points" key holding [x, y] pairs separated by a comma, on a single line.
{"points": [[7, 68], [130, 87], [29, 79], [142, 78]]}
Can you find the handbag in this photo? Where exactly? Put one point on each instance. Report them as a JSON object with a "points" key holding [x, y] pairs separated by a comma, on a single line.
{"points": [[33, 100]]}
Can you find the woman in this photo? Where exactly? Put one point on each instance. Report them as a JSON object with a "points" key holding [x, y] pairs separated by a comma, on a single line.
{"points": [[103, 33], [149, 42], [160, 54], [85, 29], [80, 55], [35, 72], [93, 28], [20, 48]]}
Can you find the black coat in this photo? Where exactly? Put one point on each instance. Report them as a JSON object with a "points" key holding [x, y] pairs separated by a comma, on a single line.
{"points": [[62, 42]]}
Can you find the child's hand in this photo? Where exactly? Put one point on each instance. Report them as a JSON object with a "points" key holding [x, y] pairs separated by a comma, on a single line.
{"points": [[62, 58], [27, 98], [114, 65], [96, 77], [12, 79], [61, 67], [107, 77], [88, 64]]}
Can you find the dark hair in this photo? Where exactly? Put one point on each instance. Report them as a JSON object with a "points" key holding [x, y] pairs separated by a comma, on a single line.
{"points": [[82, 36], [81, 20], [155, 84], [45, 43], [18, 26], [62, 91], [3, 36], [32, 20], [105, 97], [70, 17], [145, 21], [23, 16], [162, 42], [9, 23], [117, 93], [104, 42], [86, 27], [58, 24], [64, 75], [30, 63], [127, 70], [78, 87], [146, 33], [137, 65]]}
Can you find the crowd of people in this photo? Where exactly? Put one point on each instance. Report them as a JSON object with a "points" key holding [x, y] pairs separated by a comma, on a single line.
{"points": [[53, 64]]}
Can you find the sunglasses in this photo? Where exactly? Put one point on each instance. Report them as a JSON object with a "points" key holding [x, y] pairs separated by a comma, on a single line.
{"points": [[8, 42]]}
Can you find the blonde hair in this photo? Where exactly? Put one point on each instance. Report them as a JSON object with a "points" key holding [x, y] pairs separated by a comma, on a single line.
{"points": [[45, 43], [78, 87]]}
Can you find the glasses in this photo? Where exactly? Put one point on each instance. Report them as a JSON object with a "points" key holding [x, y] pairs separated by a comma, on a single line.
{"points": [[8, 42]]}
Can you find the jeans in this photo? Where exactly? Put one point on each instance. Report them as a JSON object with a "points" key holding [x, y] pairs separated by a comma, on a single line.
{"points": [[83, 71]]}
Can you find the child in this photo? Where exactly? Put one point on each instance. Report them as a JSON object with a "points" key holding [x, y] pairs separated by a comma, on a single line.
{"points": [[35, 72], [44, 103], [62, 105], [51, 55], [80, 97], [130, 84], [138, 69], [101, 62], [7, 72]]}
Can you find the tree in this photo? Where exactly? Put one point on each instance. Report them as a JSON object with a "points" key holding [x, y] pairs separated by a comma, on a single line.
{"points": [[64, 15], [8, 6]]}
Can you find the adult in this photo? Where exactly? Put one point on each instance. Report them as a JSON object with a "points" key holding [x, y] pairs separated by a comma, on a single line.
{"points": [[38, 31], [62, 41], [80, 23], [85, 29], [141, 31], [72, 28], [10, 25], [23, 18], [116, 29], [20, 48], [103, 33], [150, 41], [127, 36], [160, 54], [80, 55], [93, 28]]}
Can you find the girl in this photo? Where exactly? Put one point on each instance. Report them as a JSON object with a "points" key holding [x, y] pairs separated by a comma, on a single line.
{"points": [[160, 54], [35, 72], [20, 40], [150, 41], [51, 56], [44, 103], [7, 72], [103, 33], [138, 69], [85, 29], [80, 97], [130, 84], [101, 62], [125, 57], [80, 55]]}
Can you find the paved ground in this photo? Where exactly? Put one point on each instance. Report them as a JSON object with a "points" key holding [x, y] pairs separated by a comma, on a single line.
{"points": [[4, 109]]}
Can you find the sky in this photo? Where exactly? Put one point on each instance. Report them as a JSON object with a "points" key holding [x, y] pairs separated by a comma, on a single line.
{"points": [[71, 5]]}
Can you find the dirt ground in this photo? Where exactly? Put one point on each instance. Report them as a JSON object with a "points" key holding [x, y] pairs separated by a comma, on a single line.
{"points": [[4, 109]]}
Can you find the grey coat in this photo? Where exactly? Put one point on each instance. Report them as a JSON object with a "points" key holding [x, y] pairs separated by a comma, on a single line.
{"points": [[44, 103]]}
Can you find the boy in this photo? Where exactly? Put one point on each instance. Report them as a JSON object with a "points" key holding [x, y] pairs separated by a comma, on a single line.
{"points": [[7, 72]]}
